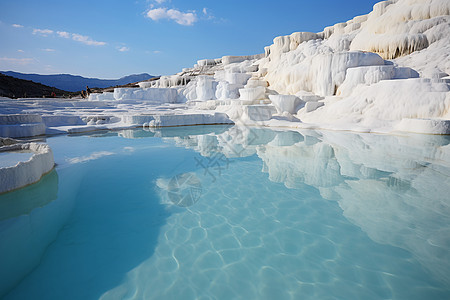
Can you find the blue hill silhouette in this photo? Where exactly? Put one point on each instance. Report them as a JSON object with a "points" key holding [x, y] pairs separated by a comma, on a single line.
{"points": [[73, 83]]}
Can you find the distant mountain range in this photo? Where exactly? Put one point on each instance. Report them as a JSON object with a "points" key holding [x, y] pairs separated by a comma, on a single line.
{"points": [[74, 83], [17, 88]]}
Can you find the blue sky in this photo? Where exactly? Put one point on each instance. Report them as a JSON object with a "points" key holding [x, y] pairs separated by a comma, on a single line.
{"points": [[111, 39]]}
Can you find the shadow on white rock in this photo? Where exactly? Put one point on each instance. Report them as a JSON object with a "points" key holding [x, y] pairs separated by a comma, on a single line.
{"points": [[286, 103]]}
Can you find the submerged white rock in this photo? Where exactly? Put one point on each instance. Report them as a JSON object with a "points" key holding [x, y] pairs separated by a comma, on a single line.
{"points": [[393, 187]]}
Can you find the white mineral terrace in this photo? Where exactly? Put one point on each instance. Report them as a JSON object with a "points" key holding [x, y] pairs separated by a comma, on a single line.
{"points": [[23, 164], [386, 71]]}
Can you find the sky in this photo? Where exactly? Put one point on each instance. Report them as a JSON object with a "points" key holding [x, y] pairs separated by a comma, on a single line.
{"points": [[111, 39]]}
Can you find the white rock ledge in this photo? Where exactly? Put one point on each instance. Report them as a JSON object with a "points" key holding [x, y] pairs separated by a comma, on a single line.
{"points": [[426, 126], [26, 172], [189, 120], [21, 125]]}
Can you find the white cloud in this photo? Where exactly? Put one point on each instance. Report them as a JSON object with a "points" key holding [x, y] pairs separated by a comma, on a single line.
{"points": [[179, 17], [74, 36], [43, 32], [93, 156], [182, 18], [153, 52], [63, 34], [49, 68], [17, 61], [157, 13], [48, 50], [17, 26], [160, 1], [207, 14], [80, 38], [20, 50], [123, 49], [86, 40]]}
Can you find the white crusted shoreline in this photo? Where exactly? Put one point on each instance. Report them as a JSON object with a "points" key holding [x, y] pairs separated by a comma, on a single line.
{"points": [[386, 72]]}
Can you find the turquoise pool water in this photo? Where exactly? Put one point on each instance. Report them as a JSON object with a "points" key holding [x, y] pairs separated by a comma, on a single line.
{"points": [[9, 159], [232, 213]]}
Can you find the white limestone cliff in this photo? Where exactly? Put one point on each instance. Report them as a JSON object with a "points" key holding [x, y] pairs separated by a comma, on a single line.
{"points": [[386, 71], [25, 172]]}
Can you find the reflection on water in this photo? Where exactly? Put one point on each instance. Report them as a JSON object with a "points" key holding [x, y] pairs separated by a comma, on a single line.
{"points": [[107, 221], [395, 188], [180, 132], [23, 201], [288, 215], [29, 221]]}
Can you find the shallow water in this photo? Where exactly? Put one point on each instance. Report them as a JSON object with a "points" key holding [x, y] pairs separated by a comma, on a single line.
{"points": [[10, 159], [232, 213]]}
